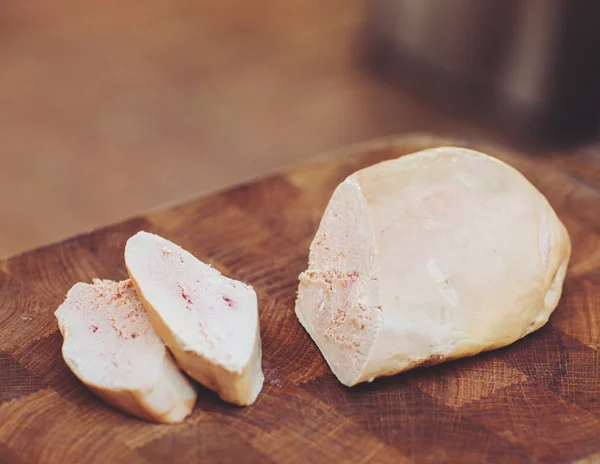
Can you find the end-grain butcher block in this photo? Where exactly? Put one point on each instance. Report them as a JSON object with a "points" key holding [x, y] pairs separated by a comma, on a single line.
{"points": [[433, 256], [209, 322], [111, 346]]}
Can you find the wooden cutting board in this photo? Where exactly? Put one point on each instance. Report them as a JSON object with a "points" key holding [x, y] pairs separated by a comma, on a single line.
{"points": [[535, 401]]}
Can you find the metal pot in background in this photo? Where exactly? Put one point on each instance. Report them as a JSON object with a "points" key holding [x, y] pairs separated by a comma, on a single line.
{"points": [[531, 65]]}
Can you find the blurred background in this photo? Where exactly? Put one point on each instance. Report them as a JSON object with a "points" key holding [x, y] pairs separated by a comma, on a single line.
{"points": [[110, 109]]}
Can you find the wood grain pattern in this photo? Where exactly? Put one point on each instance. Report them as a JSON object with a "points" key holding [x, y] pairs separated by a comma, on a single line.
{"points": [[535, 401]]}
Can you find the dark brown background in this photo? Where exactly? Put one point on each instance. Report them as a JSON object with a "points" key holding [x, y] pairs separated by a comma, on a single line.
{"points": [[109, 108], [535, 401]]}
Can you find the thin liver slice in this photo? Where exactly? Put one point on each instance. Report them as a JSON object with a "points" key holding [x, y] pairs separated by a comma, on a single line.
{"points": [[110, 344]]}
